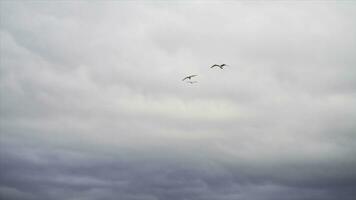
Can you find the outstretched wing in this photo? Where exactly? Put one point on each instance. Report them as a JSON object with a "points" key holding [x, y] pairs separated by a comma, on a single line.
{"points": [[215, 65], [188, 77], [223, 65]]}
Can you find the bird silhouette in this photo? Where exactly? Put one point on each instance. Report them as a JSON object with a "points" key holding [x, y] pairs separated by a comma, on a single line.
{"points": [[189, 77], [220, 66]]}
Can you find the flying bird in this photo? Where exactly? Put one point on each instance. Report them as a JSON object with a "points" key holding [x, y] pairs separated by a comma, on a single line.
{"points": [[220, 66], [189, 77]]}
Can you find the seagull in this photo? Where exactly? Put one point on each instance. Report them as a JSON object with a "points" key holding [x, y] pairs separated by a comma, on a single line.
{"points": [[189, 77], [192, 82], [220, 66]]}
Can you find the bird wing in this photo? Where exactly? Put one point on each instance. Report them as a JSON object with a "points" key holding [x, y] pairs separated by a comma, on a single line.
{"points": [[188, 77], [214, 65]]}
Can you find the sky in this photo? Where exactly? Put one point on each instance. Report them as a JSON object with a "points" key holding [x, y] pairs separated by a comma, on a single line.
{"points": [[93, 106]]}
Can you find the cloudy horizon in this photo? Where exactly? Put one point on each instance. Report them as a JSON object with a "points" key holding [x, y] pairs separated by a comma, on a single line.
{"points": [[93, 106]]}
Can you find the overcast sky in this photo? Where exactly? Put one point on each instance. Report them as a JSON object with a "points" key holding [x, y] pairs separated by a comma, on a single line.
{"points": [[93, 106]]}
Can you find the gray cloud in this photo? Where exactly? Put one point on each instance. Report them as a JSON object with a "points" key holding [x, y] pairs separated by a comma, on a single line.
{"points": [[93, 107]]}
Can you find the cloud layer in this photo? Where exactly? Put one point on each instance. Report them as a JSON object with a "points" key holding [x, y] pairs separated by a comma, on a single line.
{"points": [[93, 106]]}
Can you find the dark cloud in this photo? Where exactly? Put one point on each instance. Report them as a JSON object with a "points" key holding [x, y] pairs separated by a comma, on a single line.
{"points": [[35, 174], [92, 105]]}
